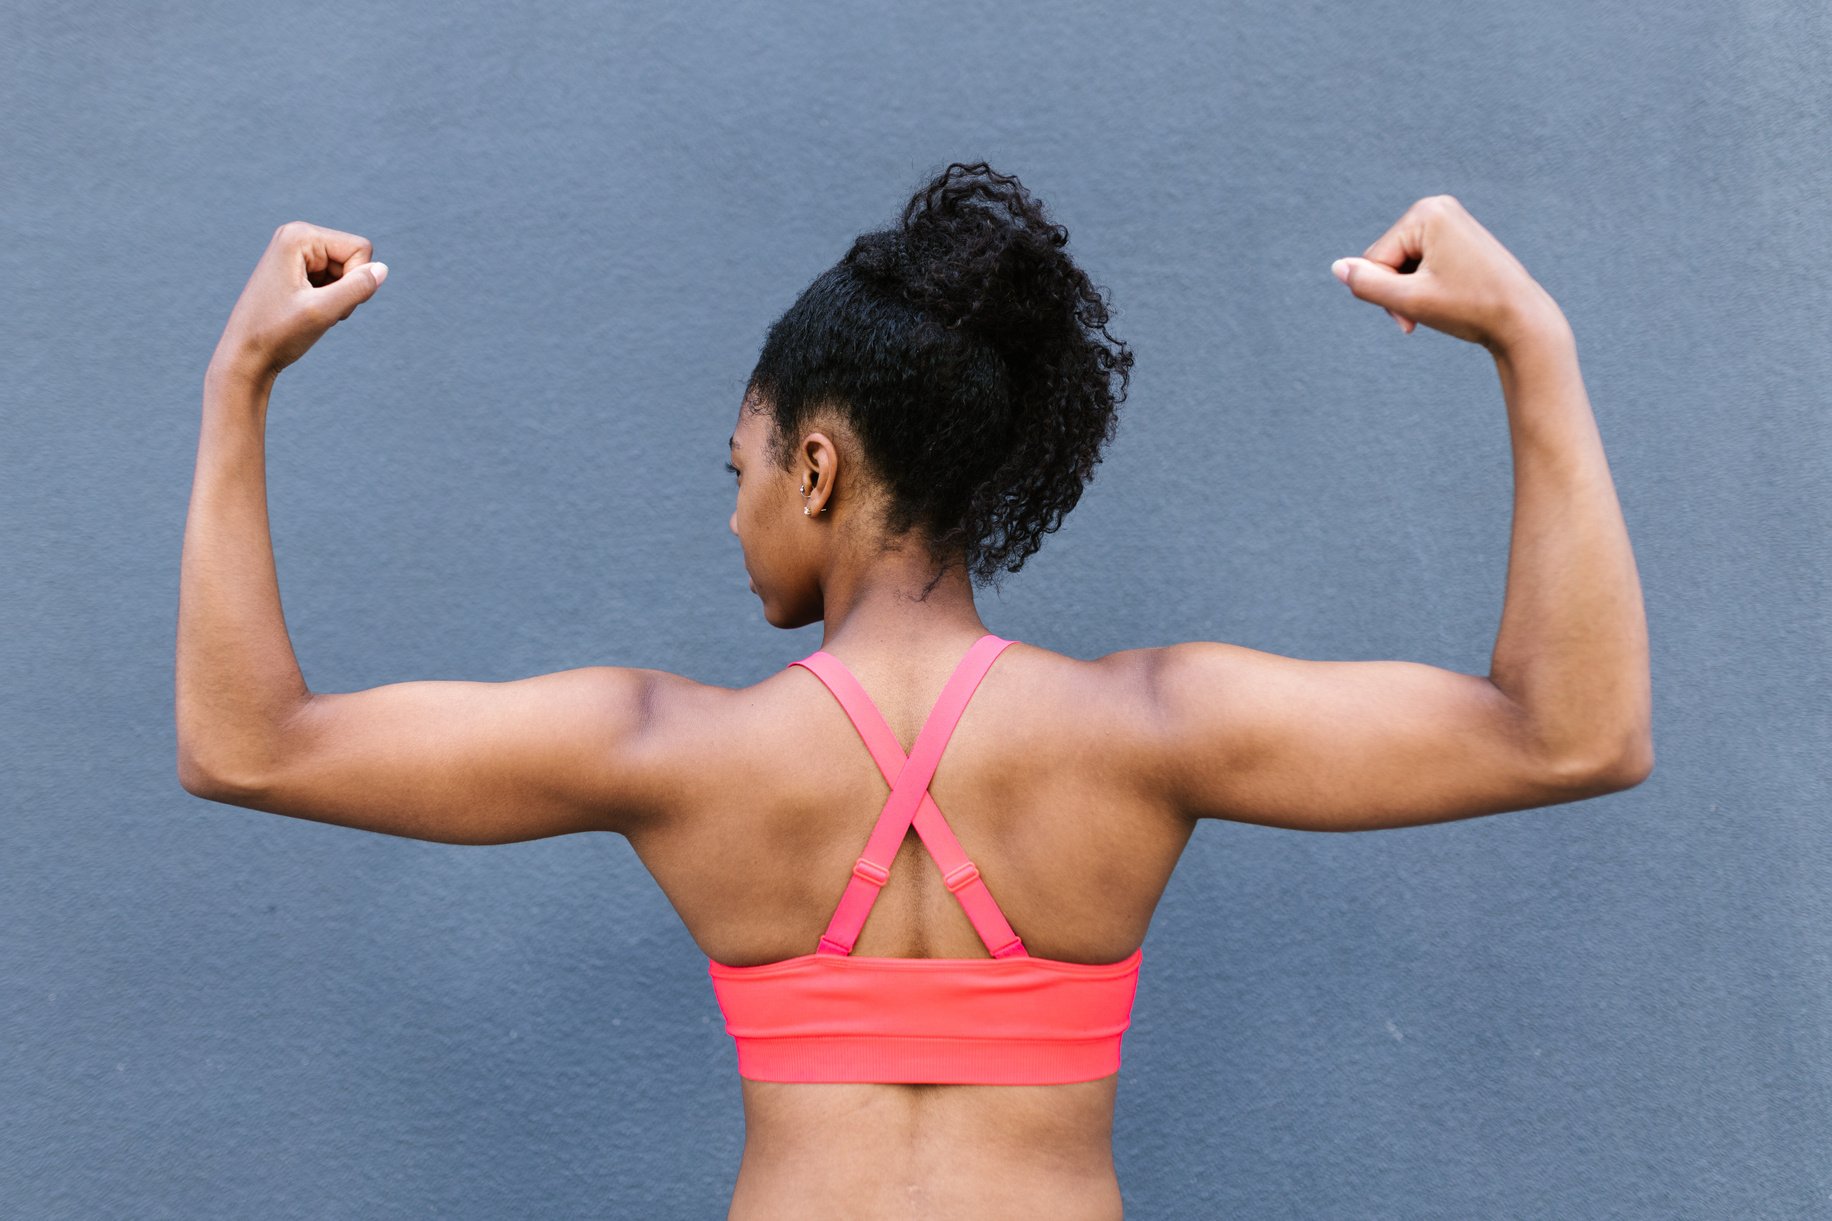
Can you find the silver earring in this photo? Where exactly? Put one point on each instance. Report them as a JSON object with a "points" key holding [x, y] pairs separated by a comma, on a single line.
{"points": [[804, 489], [804, 508]]}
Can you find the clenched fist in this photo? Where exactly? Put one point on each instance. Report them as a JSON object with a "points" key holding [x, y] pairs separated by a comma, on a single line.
{"points": [[1437, 265], [308, 280]]}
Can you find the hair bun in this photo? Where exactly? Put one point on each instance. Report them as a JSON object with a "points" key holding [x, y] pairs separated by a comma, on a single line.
{"points": [[973, 249]]}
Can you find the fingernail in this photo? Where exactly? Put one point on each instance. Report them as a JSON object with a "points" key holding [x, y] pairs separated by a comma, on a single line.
{"points": [[379, 271], [1340, 269]]}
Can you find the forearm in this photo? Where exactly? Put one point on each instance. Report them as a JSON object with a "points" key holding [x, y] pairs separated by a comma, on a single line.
{"points": [[237, 679], [1572, 649]]}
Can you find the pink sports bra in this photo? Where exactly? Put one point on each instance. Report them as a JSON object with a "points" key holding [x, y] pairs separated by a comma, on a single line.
{"points": [[1010, 1019]]}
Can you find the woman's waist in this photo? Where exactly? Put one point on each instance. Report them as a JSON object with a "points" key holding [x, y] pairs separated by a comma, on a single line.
{"points": [[867, 1142]]}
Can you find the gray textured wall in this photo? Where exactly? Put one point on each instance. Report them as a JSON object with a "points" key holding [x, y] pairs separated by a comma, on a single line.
{"points": [[509, 463]]}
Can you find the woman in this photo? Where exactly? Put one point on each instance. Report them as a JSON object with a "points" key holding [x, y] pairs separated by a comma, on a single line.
{"points": [[923, 414]]}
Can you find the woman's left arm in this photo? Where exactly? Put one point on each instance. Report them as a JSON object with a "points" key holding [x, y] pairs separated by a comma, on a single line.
{"points": [[453, 762]]}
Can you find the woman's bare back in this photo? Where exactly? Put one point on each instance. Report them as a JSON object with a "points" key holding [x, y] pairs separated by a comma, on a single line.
{"points": [[1039, 783]]}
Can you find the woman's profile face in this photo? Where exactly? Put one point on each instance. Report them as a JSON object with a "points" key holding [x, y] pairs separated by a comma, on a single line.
{"points": [[765, 519]]}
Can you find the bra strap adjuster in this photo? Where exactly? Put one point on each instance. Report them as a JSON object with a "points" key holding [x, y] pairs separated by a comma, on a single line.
{"points": [[964, 874]]}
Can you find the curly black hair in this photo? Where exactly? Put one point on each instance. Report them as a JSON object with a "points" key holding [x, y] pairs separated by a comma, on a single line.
{"points": [[969, 356]]}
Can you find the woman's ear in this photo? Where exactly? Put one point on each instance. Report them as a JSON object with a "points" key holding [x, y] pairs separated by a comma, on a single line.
{"points": [[819, 462]]}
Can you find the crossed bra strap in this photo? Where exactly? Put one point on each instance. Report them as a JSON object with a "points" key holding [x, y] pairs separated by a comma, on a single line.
{"points": [[909, 802]]}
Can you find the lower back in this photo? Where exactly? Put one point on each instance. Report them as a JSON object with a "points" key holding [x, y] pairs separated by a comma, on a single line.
{"points": [[877, 1152]]}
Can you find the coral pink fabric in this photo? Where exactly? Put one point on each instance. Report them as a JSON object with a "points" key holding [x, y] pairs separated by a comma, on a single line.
{"points": [[1010, 1019]]}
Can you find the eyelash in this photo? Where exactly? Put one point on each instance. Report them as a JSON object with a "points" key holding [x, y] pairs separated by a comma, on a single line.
{"points": [[731, 468]]}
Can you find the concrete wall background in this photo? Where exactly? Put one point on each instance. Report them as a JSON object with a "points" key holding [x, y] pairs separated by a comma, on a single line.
{"points": [[509, 463]]}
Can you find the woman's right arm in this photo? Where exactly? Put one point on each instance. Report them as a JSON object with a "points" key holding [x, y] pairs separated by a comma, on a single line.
{"points": [[1564, 712]]}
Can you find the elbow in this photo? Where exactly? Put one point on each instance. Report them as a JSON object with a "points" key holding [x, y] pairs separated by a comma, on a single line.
{"points": [[202, 779], [1621, 768], [192, 777], [1634, 763], [196, 778], [230, 767]]}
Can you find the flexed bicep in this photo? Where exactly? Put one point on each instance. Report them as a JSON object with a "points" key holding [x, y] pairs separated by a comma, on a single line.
{"points": [[1279, 741], [466, 762]]}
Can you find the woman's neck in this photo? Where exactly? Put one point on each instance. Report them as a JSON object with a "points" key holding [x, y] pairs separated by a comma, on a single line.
{"points": [[890, 602]]}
